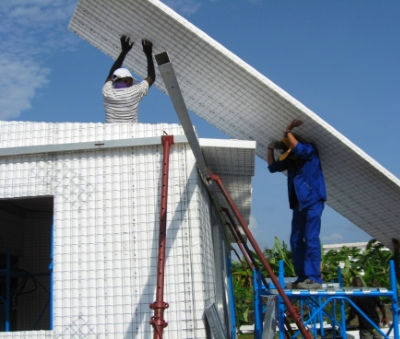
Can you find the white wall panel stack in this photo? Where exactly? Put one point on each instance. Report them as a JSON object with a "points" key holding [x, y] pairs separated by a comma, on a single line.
{"points": [[106, 225]]}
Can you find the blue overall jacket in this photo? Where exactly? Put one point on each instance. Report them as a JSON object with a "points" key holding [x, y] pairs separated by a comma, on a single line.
{"points": [[306, 184]]}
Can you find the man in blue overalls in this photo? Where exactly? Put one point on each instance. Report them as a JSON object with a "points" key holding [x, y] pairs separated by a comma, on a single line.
{"points": [[307, 194]]}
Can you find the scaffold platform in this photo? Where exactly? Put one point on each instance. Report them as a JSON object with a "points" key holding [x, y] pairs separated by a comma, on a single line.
{"points": [[321, 310]]}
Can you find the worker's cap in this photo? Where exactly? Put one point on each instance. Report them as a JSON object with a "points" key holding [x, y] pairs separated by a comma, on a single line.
{"points": [[287, 149], [121, 73]]}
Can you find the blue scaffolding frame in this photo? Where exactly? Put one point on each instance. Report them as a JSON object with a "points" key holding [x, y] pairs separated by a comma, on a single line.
{"points": [[316, 302]]}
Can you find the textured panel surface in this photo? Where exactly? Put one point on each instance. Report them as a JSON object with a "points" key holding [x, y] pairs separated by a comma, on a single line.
{"points": [[106, 224], [224, 157], [358, 187]]}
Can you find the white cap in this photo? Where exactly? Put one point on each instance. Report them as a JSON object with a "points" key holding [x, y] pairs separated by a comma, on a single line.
{"points": [[120, 73]]}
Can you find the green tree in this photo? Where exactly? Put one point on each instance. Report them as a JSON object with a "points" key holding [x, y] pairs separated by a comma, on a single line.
{"points": [[242, 280], [280, 251], [371, 265], [375, 261], [347, 258]]}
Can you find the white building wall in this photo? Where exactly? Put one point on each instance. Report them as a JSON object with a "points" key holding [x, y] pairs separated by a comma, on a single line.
{"points": [[106, 224]]}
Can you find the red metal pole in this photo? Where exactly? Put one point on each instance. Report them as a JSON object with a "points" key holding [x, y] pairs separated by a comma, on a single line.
{"points": [[160, 305], [240, 244], [260, 254]]}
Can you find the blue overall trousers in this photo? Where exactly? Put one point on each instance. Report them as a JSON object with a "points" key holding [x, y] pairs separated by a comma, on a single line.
{"points": [[305, 243], [307, 193]]}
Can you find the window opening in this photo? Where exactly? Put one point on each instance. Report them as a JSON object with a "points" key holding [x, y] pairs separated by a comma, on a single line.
{"points": [[25, 263]]}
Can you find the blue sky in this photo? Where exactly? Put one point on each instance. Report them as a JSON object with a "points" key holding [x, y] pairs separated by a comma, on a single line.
{"points": [[340, 58]]}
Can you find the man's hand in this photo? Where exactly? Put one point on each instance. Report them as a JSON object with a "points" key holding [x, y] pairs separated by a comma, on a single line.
{"points": [[126, 44], [147, 47], [293, 124]]}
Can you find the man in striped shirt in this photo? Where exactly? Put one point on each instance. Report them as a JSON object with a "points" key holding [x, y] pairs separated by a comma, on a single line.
{"points": [[121, 95]]}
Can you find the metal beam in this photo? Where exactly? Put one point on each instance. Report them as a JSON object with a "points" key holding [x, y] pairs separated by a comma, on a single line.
{"points": [[175, 94], [86, 146]]}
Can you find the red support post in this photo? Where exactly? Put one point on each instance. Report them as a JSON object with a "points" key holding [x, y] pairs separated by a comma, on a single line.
{"points": [[157, 320], [261, 256], [240, 244]]}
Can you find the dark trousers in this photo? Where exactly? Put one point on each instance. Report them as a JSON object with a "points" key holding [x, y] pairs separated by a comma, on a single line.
{"points": [[305, 243], [368, 334]]}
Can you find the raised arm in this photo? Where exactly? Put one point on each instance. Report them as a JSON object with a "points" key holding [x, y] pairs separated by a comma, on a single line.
{"points": [[273, 165], [270, 154], [126, 46], [289, 134], [148, 51]]}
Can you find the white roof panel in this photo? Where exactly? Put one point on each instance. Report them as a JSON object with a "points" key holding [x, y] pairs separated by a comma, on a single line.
{"points": [[244, 104]]}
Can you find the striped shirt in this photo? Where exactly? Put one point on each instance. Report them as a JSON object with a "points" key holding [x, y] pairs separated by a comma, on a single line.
{"points": [[121, 104]]}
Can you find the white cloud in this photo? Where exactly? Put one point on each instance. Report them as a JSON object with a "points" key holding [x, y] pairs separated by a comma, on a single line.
{"points": [[189, 7], [18, 85], [40, 16], [30, 32], [29, 26], [185, 7]]}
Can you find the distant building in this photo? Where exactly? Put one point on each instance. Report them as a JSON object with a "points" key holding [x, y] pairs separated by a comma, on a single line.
{"points": [[360, 245]]}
